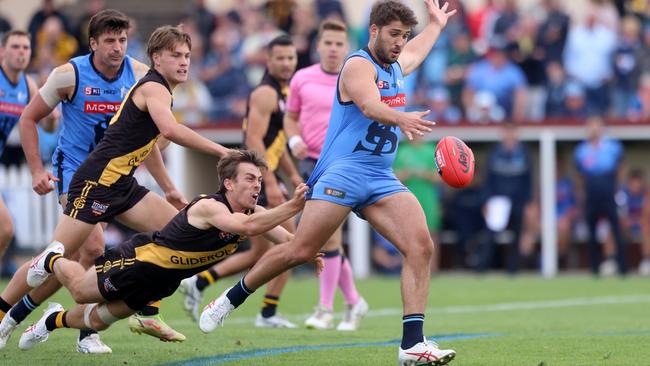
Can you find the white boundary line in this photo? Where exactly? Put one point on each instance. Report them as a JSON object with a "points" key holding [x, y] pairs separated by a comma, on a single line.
{"points": [[474, 309]]}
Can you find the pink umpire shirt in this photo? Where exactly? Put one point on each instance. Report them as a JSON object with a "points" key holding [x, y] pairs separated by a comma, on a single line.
{"points": [[311, 94]]}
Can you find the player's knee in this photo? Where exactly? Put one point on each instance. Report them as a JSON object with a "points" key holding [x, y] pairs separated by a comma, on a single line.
{"points": [[87, 255], [98, 324], [301, 255], [420, 248]]}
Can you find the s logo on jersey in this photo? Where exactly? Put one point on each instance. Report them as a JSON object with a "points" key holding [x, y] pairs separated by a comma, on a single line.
{"points": [[383, 84], [380, 138]]}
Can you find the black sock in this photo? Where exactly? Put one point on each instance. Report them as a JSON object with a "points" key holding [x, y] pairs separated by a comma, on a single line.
{"points": [[83, 333], [49, 261], [149, 310], [412, 333], [4, 308], [23, 308], [238, 293], [206, 278], [56, 320], [331, 253], [269, 305]]}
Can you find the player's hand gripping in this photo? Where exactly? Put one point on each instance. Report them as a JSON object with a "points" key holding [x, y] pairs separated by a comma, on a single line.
{"points": [[319, 263], [41, 181], [413, 124], [299, 195], [438, 15], [176, 198]]}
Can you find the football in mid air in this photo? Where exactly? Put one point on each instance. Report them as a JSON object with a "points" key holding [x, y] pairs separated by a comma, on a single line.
{"points": [[454, 162]]}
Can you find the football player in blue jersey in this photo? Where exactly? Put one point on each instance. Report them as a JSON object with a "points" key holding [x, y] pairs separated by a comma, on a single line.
{"points": [[90, 88], [354, 173], [15, 90]]}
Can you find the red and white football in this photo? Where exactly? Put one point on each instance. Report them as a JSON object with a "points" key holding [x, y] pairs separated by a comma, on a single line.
{"points": [[455, 162]]}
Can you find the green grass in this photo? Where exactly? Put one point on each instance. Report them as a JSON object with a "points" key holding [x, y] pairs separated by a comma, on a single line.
{"points": [[526, 320]]}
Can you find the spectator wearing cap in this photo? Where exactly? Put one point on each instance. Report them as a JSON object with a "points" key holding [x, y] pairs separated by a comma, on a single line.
{"points": [[497, 75], [485, 109], [575, 101], [598, 160]]}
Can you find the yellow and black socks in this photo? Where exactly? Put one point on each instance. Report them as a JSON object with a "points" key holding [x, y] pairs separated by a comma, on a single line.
{"points": [[56, 320], [50, 259], [270, 305], [152, 309], [4, 308], [23, 308], [206, 278]]}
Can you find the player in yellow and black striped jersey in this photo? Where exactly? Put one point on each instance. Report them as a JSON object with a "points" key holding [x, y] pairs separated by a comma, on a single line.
{"points": [[264, 133], [103, 188], [151, 265]]}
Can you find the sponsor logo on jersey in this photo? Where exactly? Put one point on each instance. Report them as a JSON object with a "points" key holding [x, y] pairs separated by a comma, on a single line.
{"points": [[89, 90], [101, 107], [11, 108], [398, 100], [383, 84], [108, 285], [204, 259], [334, 193], [99, 208]]}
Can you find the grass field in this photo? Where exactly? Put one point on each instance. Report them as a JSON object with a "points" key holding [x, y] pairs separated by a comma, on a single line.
{"points": [[488, 320]]}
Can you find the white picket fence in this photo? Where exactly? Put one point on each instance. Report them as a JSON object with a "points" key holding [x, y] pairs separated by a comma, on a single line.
{"points": [[35, 217]]}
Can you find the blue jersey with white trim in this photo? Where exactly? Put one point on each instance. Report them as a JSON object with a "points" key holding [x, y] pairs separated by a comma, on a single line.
{"points": [[13, 99], [86, 115], [352, 138]]}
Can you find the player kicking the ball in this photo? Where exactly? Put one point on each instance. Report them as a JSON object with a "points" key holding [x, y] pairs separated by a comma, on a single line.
{"points": [[151, 265], [354, 174]]}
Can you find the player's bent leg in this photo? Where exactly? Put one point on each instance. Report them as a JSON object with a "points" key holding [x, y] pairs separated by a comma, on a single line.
{"points": [[408, 232], [319, 221], [6, 228], [94, 316]]}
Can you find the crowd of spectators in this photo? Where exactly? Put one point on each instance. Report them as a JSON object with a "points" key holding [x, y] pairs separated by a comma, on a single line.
{"points": [[498, 61]]}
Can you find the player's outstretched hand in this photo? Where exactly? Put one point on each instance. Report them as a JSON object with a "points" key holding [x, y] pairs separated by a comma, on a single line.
{"points": [[413, 124], [437, 14], [176, 198], [299, 195], [319, 263], [41, 182]]}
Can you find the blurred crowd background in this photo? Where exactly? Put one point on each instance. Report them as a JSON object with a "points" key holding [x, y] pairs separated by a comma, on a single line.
{"points": [[501, 63]]}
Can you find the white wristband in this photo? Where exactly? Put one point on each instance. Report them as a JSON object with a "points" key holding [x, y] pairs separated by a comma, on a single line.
{"points": [[294, 140]]}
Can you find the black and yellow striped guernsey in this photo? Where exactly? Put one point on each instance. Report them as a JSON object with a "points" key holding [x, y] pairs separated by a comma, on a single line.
{"points": [[128, 140], [180, 250], [275, 140]]}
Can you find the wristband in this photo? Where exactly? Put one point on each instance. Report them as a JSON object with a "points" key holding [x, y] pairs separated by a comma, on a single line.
{"points": [[294, 140]]}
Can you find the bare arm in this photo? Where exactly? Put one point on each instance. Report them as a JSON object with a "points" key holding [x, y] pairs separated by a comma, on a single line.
{"points": [[519, 105], [34, 112], [419, 47], [289, 169], [292, 129], [357, 82], [155, 99], [208, 213], [263, 102]]}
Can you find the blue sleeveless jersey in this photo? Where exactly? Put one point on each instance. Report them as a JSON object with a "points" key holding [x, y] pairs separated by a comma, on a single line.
{"points": [[13, 99], [87, 114], [356, 142]]}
